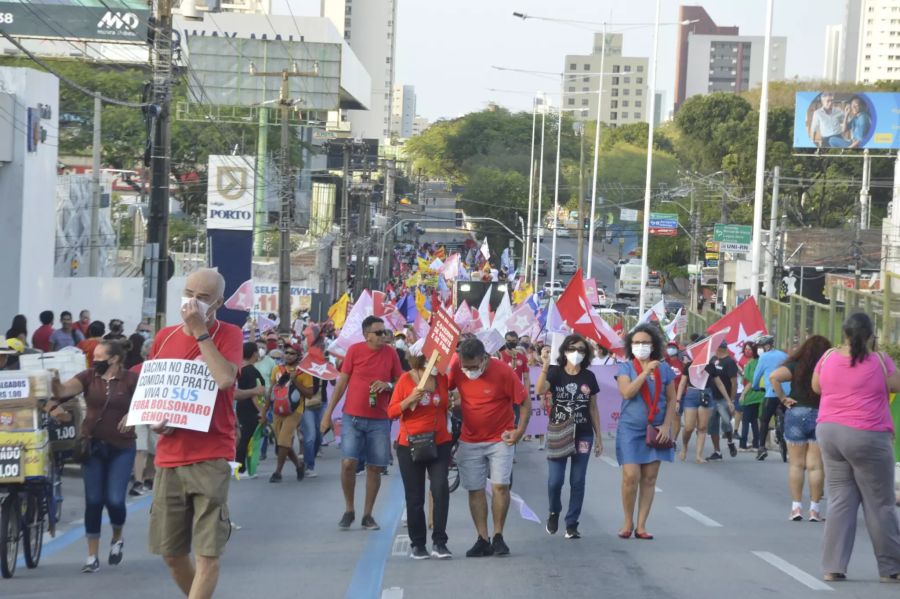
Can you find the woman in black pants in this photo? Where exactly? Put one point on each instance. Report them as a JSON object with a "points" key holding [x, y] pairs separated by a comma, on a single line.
{"points": [[423, 411], [249, 411]]}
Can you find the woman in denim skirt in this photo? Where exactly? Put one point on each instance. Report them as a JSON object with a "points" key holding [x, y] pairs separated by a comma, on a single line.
{"points": [[801, 411]]}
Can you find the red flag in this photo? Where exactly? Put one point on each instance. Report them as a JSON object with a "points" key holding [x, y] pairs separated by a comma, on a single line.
{"points": [[242, 298], [315, 364], [701, 354], [745, 323], [575, 310], [378, 298]]}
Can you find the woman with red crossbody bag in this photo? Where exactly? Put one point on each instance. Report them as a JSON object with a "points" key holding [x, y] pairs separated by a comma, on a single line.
{"points": [[644, 432]]}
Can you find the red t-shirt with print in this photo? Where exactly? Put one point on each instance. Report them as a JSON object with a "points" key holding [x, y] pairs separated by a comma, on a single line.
{"points": [[487, 402], [184, 446]]}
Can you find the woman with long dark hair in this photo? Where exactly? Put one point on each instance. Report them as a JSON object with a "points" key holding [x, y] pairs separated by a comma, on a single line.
{"points": [[573, 392], [801, 406], [856, 434], [648, 392], [133, 355]]}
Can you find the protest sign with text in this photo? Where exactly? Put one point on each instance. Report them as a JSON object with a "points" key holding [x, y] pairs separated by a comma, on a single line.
{"points": [[180, 392], [441, 340]]}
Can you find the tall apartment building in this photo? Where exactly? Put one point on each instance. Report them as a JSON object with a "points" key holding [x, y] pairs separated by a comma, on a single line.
{"points": [[624, 89], [833, 38], [710, 58], [369, 26], [869, 48], [403, 111], [420, 124]]}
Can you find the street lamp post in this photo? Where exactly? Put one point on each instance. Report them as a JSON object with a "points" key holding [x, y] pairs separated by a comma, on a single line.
{"points": [[537, 232], [596, 153], [527, 246], [556, 185], [650, 123]]}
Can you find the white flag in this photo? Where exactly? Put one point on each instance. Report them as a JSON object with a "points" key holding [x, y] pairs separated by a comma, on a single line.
{"points": [[485, 251]]}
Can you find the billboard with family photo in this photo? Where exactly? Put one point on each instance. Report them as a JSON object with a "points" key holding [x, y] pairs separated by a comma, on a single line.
{"points": [[847, 120]]}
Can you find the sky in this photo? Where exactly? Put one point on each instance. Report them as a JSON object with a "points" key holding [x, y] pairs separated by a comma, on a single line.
{"points": [[446, 48]]}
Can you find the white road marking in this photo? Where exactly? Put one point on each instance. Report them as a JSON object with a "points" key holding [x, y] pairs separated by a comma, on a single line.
{"points": [[392, 593], [610, 461], [401, 546], [704, 520], [658, 490], [793, 571]]}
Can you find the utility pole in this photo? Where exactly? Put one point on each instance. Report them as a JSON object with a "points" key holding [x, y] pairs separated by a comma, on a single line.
{"points": [[286, 217], [720, 284], [156, 258], [865, 198], [581, 198], [857, 247], [695, 250], [769, 282], [260, 215], [343, 272], [94, 269]]}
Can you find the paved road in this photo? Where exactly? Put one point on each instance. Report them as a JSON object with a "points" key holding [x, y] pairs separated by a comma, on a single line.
{"points": [[719, 527], [603, 261]]}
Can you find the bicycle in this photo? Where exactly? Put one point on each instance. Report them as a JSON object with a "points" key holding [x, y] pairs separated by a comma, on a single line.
{"points": [[24, 514], [779, 432], [453, 468]]}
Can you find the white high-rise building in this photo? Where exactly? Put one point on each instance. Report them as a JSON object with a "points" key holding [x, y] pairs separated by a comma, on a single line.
{"points": [[833, 63], [369, 26], [420, 124], [869, 42], [403, 111]]}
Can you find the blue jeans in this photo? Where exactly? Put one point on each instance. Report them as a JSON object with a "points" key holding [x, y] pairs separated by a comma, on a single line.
{"points": [[312, 436], [106, 474], [577, 476]]}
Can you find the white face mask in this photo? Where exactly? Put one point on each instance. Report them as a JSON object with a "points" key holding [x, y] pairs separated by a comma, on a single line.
{"points": [[574, 357], [760, 351], [204, 307], [641, 352], [672, 351], [400, 344], [474, 374]]}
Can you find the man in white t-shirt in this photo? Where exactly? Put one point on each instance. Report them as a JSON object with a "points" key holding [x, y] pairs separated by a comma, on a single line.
{"points": [[828, 122]]}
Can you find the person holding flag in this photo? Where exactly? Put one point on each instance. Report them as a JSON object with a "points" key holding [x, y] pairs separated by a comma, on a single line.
{"points": [[644, 432]]}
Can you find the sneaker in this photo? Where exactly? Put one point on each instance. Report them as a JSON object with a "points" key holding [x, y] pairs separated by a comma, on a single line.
{"points": [[311, 473], [115, 552], [275, 478], [368, 522], [419, 553], [148, 484], [815, 516], [762, 453], [136, 490], [481, 548], [796, 516], [346, 520], [552, 523], [300, 472], [440, 551], [714, 457], [732, 450], [499, 546], [91, 565], [572, 532]]}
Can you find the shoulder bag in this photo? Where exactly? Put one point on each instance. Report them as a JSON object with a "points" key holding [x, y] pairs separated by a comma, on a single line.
{"points": [[561, 438], [422, 447], [653, 409], [84, 445]]}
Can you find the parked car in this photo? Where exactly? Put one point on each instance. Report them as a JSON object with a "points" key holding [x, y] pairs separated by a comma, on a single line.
{"points": [[633, 311], [620, 307], [601, 294], [672, 307]]}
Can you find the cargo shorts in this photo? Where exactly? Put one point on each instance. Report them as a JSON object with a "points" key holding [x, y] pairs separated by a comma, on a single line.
{"points": [[190, 510]]}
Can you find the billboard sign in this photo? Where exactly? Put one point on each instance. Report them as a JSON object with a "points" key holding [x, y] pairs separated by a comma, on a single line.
{"points": [[106, 20], [664, 223], [847, 120], [229, 193]]}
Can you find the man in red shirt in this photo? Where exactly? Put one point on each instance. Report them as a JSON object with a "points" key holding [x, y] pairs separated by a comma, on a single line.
{"points": [[192, 471], [41, 337], [84, 321], [488, 390], [367, 375]]}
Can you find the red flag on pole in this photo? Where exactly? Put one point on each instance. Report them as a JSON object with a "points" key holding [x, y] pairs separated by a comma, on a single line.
{"points": [[745, 323], [575, 310]]}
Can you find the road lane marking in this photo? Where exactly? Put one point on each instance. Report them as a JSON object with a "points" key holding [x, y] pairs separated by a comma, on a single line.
{"points": [[401, 546], [704, 520], [392, 593], [608, 460], [793, 571], [368, 575]]}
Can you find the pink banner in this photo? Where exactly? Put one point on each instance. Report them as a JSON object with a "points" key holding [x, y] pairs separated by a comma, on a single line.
{"points": [[609, 401]]}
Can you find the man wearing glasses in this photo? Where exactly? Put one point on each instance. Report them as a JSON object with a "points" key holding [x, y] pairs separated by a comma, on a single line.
{"points": [[367, 375]]}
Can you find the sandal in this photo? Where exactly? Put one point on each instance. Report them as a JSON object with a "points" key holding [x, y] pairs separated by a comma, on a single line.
{"points": [[892, 578], [625, 534], [835, 577], [646, 536]]}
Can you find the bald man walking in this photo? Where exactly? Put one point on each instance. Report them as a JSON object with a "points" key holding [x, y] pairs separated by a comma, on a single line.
{"points": [[190, 510]]}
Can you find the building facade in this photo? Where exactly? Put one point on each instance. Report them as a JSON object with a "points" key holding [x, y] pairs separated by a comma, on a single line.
{"points": [[698, 23], [403, 111], [730, 63], [833, 59], [420, 124], [878, 50], [369, 26], [625, 85]]}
